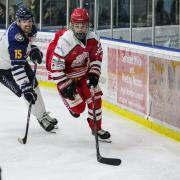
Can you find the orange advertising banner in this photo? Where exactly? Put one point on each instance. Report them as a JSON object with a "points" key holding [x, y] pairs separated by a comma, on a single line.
{"points": [[132, 76], [164, 89]]}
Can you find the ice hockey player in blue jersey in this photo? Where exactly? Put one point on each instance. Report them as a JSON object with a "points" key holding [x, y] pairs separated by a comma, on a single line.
{"points": [[16, 46]]}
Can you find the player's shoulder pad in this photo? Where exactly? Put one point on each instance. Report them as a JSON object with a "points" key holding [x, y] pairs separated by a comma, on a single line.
{"points": [[66, 43], [14, 34], [92, 35], [60, 32]]}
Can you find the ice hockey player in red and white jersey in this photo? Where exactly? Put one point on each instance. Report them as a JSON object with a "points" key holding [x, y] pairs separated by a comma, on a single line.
{"points": [[74, 60]]}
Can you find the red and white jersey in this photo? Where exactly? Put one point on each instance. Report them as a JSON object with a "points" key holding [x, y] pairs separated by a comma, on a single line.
{"points": [[73, 60]]}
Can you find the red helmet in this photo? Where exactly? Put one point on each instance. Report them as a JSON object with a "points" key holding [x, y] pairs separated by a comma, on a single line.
{"points": [[80, 15]]}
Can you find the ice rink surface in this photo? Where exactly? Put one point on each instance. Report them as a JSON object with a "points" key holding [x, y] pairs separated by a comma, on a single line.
{"points": [[70, 154]]}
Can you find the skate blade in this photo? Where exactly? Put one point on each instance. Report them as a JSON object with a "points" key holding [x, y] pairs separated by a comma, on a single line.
{"points": [[53, 131], [105, 140], [56, 127]]}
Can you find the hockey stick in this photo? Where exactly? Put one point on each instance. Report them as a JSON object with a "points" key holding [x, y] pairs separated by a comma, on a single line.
{"points": [[24, 139], [0, 173], [109, 161]]}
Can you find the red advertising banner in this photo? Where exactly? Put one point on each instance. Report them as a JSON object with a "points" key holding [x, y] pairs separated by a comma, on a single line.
{"points": [[164, 89], [112, 75], [42, 41], [132, 78]]}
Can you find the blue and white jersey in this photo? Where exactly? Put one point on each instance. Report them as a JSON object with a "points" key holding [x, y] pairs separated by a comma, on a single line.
{"points": [[14, 46]]}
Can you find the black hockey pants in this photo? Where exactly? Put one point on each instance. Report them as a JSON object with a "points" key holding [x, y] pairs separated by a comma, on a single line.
{"points": [[6, 78]]}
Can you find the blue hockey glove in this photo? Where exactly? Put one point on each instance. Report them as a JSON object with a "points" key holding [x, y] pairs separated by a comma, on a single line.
{"points": [[30, 95], [35, 54]]}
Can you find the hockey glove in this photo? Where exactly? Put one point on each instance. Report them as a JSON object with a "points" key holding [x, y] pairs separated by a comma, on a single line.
{"points": [[35, 54], [69, 92], [30, 95], [93, 80]]}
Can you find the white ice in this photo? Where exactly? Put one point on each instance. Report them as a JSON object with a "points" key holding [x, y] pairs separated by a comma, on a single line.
{"points": [[70, 154]]}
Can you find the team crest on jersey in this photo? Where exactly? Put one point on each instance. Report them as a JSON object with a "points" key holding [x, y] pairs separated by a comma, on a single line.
{"points": [[19, 37], [57, 64], [80, 60]]}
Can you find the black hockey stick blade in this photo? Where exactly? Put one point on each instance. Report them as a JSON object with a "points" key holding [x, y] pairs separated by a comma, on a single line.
{"points": [[23, 140], [109, 161], [0, 173]]}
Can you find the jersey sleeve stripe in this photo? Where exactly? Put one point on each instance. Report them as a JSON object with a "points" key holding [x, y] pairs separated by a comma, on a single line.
{"points": [[19, 75], [18, 62], [95, 63], [19, 72]]}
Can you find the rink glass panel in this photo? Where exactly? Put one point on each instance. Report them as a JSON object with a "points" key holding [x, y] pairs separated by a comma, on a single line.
{"points": [[152, 22], [103, 14], [167, 23], [142, 21], [89, 5], [2, 14], [121, 19], [53, 15]]}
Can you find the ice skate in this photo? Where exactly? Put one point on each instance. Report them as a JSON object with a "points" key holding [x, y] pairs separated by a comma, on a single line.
{"points": [[47, 123], [50, 119], [103, 135]]}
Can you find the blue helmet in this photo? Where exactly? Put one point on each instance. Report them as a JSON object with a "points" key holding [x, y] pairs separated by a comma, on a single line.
{"points": [[23, 13]]}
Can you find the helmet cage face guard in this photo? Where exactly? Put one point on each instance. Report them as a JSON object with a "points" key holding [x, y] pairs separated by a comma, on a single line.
{"points": [[80, 35]]}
